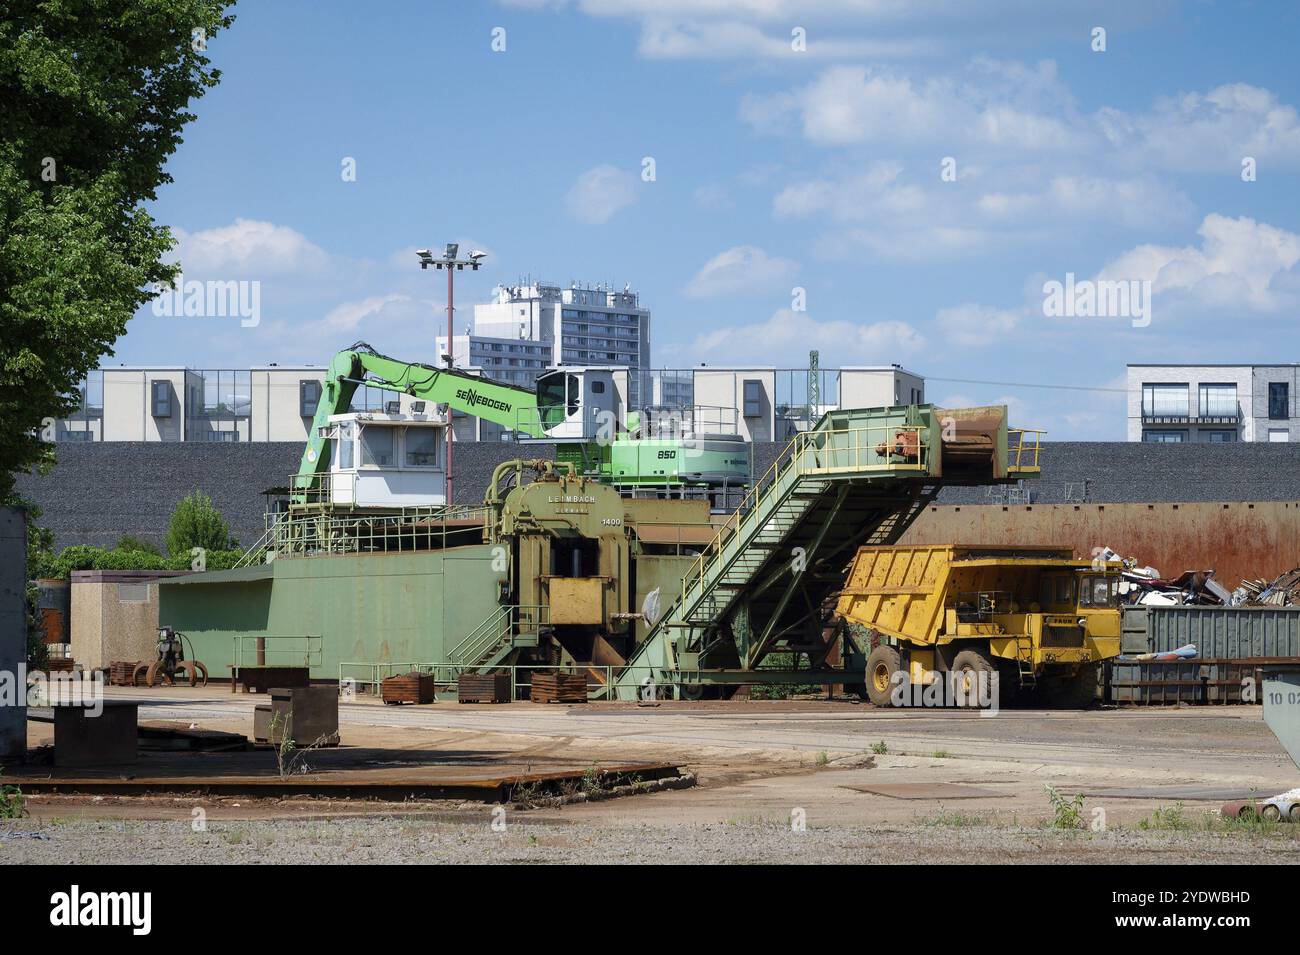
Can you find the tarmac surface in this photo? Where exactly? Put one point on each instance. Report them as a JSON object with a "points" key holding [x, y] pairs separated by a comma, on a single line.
{"points": [[802, 781]]}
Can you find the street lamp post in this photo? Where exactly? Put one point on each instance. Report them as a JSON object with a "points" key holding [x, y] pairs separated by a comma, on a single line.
{"points": [[452, 264]]}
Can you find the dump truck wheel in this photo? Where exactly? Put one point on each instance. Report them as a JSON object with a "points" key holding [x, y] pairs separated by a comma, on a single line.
{"points": [[1076, 692], [882, 664], [966, 668]]}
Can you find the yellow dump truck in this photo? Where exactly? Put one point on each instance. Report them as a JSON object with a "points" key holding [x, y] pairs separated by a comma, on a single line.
{"points": [[1038, 617]]}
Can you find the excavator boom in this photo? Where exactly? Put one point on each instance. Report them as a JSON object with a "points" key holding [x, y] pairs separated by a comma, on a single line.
{"points": [[512, 407]]}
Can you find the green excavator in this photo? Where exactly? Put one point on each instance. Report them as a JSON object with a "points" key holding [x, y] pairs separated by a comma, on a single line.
{"points": [[577, 409]]}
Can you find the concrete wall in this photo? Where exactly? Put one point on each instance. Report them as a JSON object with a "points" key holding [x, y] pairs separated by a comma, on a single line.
{"points": [[879, 387], [725, 388], [13, 631], [115, 616], [275, 405], [1235, 540], [128, 406]]}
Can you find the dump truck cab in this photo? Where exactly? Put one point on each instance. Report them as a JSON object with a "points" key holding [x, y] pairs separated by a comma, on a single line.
{"points": [[1037, 617]]}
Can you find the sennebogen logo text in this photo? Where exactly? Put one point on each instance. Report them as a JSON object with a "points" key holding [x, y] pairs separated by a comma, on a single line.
{"points": [[77, 908], [474, 400]]}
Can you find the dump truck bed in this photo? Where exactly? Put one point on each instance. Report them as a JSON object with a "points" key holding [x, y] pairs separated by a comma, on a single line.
{"points": [[902, 590]]}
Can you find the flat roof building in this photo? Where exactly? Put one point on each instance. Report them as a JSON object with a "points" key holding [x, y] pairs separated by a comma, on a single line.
{"points": [[1209, 403]]}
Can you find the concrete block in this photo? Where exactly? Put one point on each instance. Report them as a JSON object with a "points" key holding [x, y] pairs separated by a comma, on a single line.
{"points": [[82, 739]]}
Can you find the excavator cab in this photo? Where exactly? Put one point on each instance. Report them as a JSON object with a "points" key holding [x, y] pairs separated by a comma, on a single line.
{"points": [[578, 404]]}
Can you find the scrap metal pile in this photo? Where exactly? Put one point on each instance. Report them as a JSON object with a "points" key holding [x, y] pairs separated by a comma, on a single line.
{"points": [[1146, 587]]}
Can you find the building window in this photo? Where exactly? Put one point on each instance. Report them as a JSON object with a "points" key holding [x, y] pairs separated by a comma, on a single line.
{"points": [[1164, 401], [422, 447], [376, 447], [1218, 401], [753, 395], [161, 398], [1218, 437], [1164, 437], [1279, 404], [308, 397]]}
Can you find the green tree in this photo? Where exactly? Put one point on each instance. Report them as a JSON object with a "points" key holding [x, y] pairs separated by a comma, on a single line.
{"points": [[93, 97], [197, 523], [128, 543]]}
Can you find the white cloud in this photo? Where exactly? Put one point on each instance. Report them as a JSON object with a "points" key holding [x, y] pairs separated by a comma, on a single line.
{"points": [[788, 333], [1240, 263], [971, 325], [727, 39], [1210, 131], [600, 193], [1008, 108], [740, 269], [752, 29], [893, 213], [247, 247], [348, 316]]}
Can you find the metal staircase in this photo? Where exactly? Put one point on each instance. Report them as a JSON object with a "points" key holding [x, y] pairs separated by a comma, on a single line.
{"points": [[488, 644], [836, 487], [859, 477]]}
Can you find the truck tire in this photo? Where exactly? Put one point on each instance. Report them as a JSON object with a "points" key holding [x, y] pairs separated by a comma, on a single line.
{"points": [[1075, 692], [882, 664], [967, 668]]}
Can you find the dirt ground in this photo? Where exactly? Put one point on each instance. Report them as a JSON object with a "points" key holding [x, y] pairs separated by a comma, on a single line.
{"points": [[808, 781]]}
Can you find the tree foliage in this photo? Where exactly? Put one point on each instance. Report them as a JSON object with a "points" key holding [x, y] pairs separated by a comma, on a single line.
{"points": [[94, 95], [197, 523]]}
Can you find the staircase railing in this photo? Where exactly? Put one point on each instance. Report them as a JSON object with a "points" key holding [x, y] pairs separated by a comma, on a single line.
{"points": [[825, 451], [503, 625]]}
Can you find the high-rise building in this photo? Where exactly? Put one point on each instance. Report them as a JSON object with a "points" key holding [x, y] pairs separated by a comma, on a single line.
{"points": [[531, 327]]}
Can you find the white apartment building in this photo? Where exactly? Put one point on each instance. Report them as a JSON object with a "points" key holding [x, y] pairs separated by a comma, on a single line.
{"points": [[175, 403], [278, 403], [532, 327], [1182, 403], [772, 404]]}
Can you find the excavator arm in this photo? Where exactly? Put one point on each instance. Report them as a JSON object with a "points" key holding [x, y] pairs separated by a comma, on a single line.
{"points": [[507, 405]]}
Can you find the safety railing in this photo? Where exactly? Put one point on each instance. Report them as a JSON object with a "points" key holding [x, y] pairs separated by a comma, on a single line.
{"points": [[344, 531], [682, 421], [1023, 446], [446, 676], [278, 649], [506, 622]]}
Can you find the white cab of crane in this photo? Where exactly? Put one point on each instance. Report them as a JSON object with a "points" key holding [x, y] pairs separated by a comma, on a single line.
{"points": [[581, 403], [387, 460]]}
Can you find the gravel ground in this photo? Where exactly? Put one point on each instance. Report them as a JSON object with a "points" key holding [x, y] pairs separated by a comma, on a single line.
{"points": [[473, 841]]}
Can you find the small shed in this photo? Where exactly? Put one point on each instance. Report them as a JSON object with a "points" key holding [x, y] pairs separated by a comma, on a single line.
{"points": [[115, 615]]}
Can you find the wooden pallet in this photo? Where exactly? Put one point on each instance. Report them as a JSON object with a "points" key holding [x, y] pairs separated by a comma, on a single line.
{"points": [[559, 688], [122, 672], [484, 688], [408, 688]]}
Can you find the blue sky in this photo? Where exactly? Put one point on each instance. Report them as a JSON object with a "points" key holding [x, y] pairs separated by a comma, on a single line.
{"points": [[774, 169]]}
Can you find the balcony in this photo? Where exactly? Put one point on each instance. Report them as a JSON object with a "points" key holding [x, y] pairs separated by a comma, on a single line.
{"points": [[1209, 417]]}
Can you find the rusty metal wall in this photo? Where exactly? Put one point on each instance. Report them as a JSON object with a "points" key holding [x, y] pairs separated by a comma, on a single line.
{"points": [[1236, 540]]}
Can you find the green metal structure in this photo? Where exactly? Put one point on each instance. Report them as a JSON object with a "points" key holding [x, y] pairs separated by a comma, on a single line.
{"points": [[554, 412], [763, 585]]}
